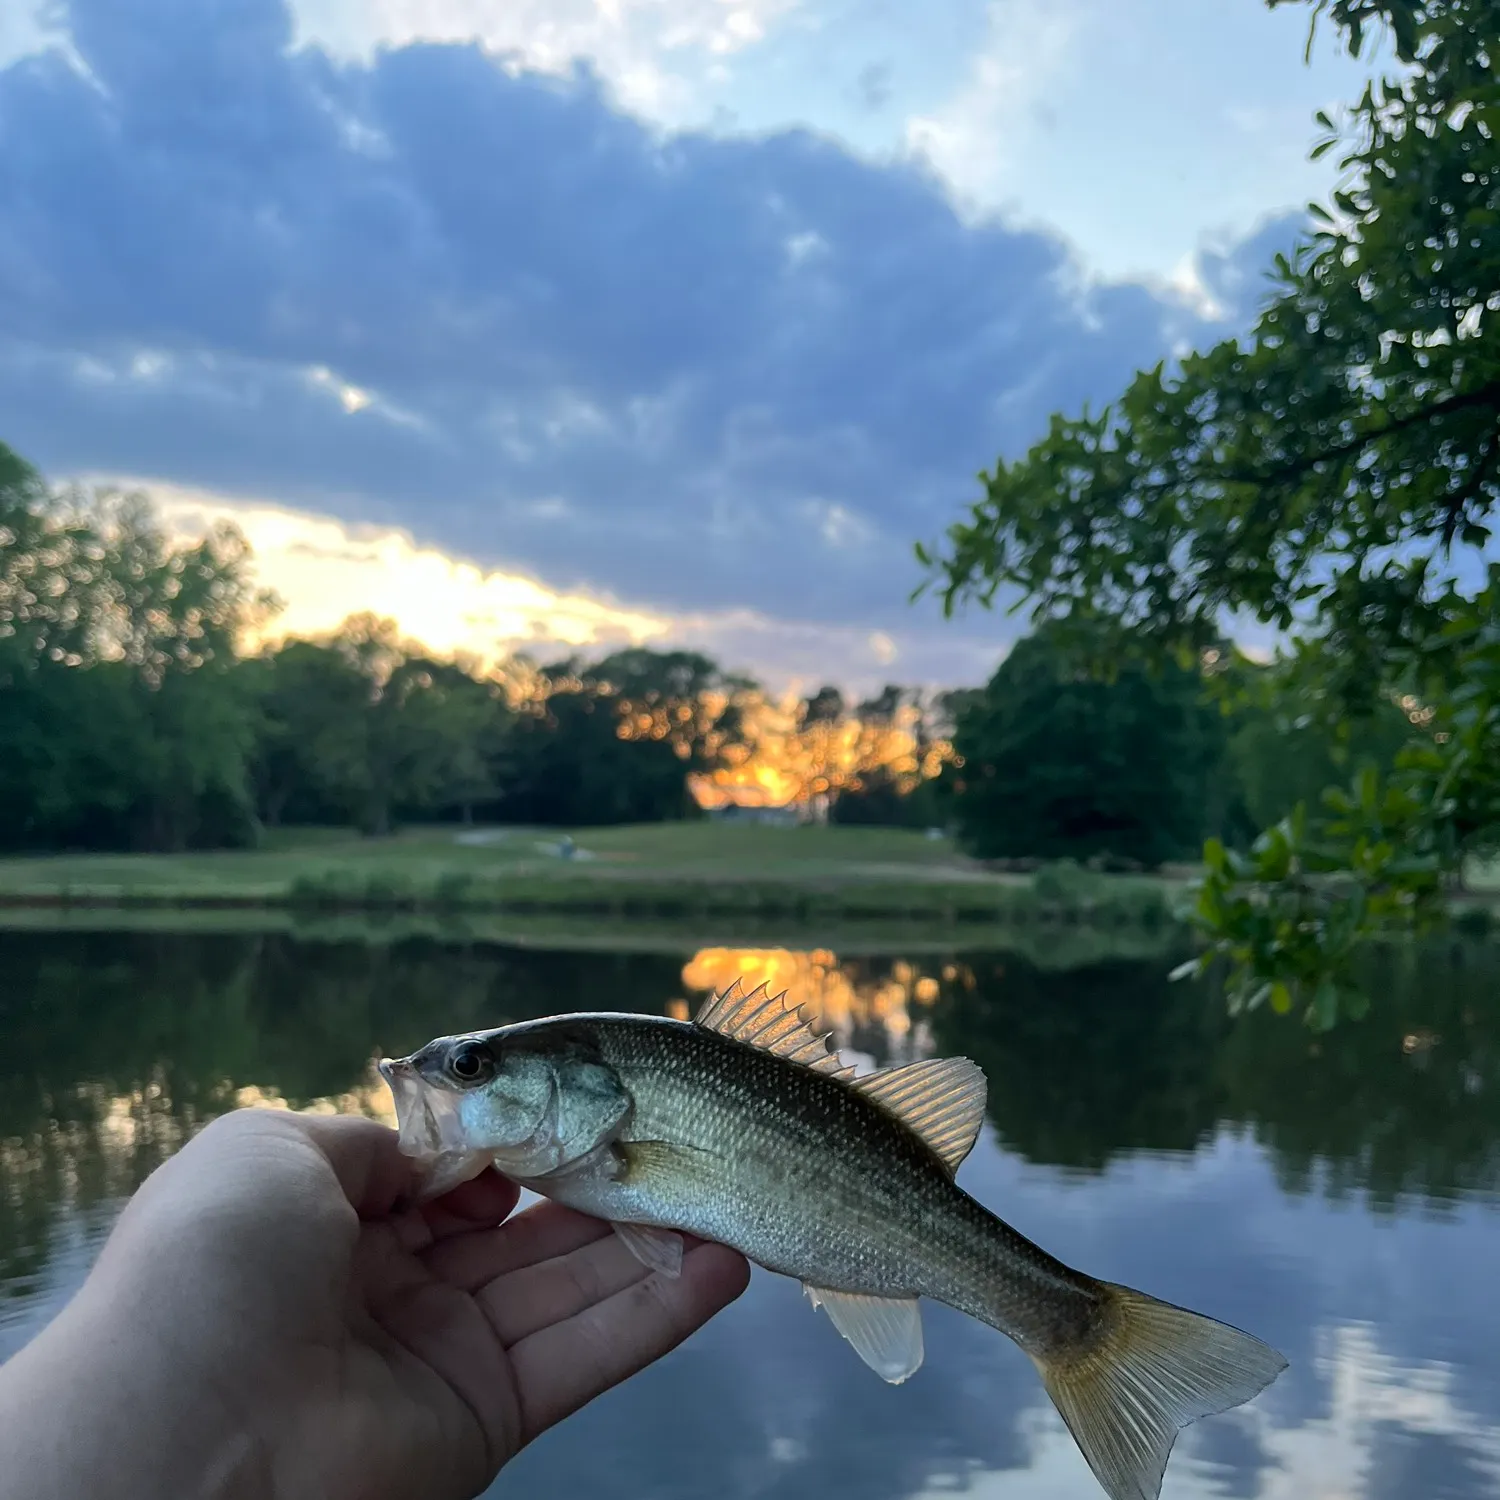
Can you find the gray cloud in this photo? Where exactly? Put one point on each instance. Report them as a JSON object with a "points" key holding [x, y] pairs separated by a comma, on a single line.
{"points": [[699, 373]]}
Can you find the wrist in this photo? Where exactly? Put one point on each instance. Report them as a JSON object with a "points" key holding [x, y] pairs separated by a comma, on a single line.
{"points": [[92, 1407]]}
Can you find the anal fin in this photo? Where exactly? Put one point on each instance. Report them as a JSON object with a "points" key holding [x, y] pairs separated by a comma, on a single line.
{"points": [[656, 1249], [886, 1331]]}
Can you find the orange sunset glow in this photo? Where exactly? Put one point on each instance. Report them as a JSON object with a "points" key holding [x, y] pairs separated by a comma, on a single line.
{"points": [[785, 762]]}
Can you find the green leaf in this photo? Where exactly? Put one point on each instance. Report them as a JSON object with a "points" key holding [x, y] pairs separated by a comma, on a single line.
{"points": [[1325, 1005]]}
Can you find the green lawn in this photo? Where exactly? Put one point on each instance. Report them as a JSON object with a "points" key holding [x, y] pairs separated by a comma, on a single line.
{"points": [[675, 871], [698, 850]]}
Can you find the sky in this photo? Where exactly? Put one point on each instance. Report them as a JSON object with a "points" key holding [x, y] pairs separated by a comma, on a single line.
{"points": [[577, 322]]}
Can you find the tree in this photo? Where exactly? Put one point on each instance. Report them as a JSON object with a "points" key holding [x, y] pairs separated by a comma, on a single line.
{"points": [[681, 697], [570, 765], [615, 741], [1061, 762], [896, 780], [363, 723], [1332, 475], [1279, 756], [123, 718], [812, 751]]}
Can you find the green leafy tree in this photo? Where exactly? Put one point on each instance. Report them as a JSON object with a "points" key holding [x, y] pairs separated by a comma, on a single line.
{"points": [[1059, 761], [681, 697], [615, 741], [311, 700], [124, 721], [1278, 755], [887, 793], [1334, 475], [362, 724], [570, 766]]}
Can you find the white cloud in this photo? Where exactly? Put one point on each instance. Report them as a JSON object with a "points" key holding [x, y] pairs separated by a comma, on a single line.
{"points": [[24, 29], [655, 53], [324, 570], [978, 140]]}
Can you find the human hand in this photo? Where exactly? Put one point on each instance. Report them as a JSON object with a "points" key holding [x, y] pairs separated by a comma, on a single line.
{"points": [[271, 1318]]}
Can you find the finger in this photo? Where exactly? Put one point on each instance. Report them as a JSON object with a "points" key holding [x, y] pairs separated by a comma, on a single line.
{"points": [[481, 1203], [453, 1344], [543, 1232], [560, 1368], [373, 1173], [535, 1297]]}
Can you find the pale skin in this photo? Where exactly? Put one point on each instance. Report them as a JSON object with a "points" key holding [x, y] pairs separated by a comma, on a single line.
{"points": [[271, 1319]]}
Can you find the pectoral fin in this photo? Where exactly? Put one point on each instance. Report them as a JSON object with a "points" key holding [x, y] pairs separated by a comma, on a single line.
{"points": [[886, 1331], [656, 1249]]}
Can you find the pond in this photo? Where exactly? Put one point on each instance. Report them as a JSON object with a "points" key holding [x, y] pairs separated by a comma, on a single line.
{"points": [[1335, 1196]]}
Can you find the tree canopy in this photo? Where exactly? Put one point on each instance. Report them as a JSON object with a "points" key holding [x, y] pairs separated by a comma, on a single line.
{"points": [[122, 720], [1058, 762], [142, 707], [1332, 474]]}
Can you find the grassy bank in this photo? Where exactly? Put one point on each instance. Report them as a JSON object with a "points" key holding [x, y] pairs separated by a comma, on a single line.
{"points": [[1048, 944], [660, 873]]}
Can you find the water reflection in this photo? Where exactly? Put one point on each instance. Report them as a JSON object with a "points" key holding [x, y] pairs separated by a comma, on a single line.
{"points": [[1336, 1196]]}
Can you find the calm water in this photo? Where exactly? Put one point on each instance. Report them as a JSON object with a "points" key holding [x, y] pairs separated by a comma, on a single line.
{"points": [[1338, 1198]]}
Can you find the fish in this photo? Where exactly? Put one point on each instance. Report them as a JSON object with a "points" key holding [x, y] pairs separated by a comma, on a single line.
{"points": [[744, 1126]]}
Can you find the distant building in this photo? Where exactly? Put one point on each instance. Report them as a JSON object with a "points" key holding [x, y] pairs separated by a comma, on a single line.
{"points": [[769, 817]]}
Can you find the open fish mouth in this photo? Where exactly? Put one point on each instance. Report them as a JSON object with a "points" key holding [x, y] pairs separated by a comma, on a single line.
{"points": [[426, 1117]]}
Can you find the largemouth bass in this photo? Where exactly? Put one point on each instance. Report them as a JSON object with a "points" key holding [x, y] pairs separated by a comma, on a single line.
{"points": [[742, 1126]]}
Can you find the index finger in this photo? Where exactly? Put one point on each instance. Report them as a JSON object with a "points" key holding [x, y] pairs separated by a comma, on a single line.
{"points": [[374, 1174], [562, 1367]]}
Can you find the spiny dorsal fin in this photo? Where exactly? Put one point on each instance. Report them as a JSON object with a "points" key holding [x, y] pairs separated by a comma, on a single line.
{"points": [[766, 1021], [941, 1099]]}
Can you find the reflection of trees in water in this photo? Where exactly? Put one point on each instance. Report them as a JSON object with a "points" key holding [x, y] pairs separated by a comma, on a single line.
{"points": [[1086, 1064], [875, 1006], [118, 1045], [1406, 1102]]}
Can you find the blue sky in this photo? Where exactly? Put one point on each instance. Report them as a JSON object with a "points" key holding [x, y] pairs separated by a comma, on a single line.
{"points": [[588, 320]]}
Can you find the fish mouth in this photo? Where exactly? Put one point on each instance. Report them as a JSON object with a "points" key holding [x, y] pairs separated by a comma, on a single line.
{"points": [[427, 1120]]}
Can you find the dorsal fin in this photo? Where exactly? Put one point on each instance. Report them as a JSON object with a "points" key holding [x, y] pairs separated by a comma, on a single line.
{"points": [[940, 1098], [766, 1021]]}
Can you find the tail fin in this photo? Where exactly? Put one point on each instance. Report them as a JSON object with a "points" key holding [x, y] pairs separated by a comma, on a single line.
{"points": [[1153, 1369]]}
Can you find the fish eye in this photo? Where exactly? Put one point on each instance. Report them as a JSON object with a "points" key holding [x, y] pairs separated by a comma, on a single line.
{"points": [[471, 1062]]}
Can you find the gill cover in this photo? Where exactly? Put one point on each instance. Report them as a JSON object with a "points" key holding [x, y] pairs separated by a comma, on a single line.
{"points": [[533, 1110]]}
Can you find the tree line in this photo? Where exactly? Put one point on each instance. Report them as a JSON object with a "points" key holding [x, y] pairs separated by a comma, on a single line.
{"points": [[1079, 748], [134, 713]]}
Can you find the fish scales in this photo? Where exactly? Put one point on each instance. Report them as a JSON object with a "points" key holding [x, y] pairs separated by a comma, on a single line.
{"points": [[741, 1127], [868, 1207]]}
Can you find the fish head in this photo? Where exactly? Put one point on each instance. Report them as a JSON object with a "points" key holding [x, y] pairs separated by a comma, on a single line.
{"points": [[532, 1104]]}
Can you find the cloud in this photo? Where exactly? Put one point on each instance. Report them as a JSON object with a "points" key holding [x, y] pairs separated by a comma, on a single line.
{"points": [[976, 139], [323, 570], [488, 307], [653, 51]]}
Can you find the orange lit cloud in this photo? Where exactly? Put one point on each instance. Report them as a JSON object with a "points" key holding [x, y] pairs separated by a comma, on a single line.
{"points": [[325, 570]]}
